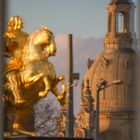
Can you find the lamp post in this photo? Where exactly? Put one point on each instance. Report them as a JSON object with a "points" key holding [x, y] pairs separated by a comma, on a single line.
{"points": [[101, 86], [71, 77]]}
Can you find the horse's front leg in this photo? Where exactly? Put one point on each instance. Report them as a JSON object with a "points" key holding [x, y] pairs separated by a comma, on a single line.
{"points": [[47, 87], [60, 95], [29, 79]]}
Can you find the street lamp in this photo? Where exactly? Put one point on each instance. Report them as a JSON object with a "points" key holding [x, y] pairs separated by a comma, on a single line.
{"points": [[101, 86]]}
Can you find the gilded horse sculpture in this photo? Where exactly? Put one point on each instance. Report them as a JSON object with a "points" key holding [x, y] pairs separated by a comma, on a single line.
{"points": [[28, 72], [28, 58], [40, 44]]}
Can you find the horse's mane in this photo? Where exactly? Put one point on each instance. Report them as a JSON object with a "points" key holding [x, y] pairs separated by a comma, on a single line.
{"points": [[40, 36]]}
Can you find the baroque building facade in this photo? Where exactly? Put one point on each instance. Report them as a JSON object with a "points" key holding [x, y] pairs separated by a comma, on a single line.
{"points": [[116, 62], [84, 128]]}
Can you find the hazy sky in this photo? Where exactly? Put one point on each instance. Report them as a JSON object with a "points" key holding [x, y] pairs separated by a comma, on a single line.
{"points": [[81, 17], [85, 19]]}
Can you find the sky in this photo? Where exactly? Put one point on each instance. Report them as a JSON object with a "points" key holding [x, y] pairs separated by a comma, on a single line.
{"points": [[79, 17], [85, 19]]}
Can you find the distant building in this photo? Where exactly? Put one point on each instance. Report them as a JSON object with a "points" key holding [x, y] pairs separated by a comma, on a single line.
{"points": [[85, 125], [116, 62]]}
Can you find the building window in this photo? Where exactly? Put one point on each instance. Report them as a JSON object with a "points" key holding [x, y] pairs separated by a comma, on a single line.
{"points": [[120, 23], [109, 22]]}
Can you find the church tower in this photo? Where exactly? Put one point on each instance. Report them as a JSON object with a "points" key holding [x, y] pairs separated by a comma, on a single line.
{"points": [[120, 24], [116, 62]]}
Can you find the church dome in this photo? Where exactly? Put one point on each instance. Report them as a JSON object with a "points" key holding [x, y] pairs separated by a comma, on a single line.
{"points": [[115, 65], [112, 65]]}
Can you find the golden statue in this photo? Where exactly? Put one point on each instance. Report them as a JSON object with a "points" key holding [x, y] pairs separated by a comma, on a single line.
{"points": [[29, 75]]}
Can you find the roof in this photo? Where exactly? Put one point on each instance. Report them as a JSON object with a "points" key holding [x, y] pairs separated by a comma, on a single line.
{"points": [[120, 2]]}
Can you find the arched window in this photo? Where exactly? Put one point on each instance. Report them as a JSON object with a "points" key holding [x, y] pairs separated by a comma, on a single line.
{"points": [[120, 23], [109, 22]]}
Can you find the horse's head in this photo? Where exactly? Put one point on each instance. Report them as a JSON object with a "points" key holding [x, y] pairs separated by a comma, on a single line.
{"points": [[45, 39]]}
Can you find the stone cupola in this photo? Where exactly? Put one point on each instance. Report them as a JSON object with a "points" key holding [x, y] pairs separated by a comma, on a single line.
{"points": [[120, 24]]}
